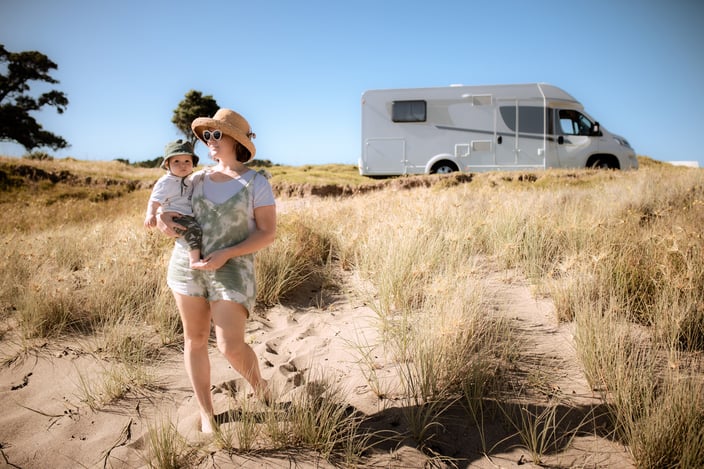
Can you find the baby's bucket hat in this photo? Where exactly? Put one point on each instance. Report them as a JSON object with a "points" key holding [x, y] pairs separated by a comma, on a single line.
{"points": [[179, 147]]}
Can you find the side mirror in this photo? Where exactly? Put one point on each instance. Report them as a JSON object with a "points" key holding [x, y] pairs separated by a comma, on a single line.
{"points": [[560, 140], [595, 129]]}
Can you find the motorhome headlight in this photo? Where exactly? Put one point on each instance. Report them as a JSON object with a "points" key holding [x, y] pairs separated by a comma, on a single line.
{"points": [[622, 141]]}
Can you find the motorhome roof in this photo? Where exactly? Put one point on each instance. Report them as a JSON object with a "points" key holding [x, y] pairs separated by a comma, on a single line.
{"points": [[521, 90]]}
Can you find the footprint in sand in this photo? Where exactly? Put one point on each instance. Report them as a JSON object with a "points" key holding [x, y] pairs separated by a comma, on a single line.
{"points": [[292, 374]]}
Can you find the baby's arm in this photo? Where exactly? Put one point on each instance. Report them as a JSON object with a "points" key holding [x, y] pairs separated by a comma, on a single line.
{"points": [[150, 218]]}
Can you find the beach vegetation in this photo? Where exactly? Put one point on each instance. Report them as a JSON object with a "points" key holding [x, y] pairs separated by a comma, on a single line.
{"points": [[619, 255]]}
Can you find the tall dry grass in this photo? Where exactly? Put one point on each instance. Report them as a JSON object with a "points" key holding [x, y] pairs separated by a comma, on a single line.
{"points": [[620, 254]]}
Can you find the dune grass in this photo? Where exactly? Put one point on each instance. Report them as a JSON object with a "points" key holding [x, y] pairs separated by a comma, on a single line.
{"points": [[338, 174], [165, 447], [620, 254]]}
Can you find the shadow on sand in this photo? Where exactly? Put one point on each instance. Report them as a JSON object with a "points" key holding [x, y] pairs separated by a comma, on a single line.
{"points": [[458, 438]]}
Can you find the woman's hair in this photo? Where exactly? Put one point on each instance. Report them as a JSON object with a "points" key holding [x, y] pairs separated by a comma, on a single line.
{"points": [[242, 153]]}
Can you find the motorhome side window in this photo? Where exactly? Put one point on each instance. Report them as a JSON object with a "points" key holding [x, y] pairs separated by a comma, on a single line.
{"points": [[408, 111], [531, 119], [574, 123]]}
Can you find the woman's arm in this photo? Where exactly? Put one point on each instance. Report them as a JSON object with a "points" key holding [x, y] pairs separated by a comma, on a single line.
{"points": [[166, 224]]}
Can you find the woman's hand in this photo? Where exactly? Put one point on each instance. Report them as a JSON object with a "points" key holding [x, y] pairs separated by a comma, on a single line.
{"points": [[213, 261], [166, 224]]}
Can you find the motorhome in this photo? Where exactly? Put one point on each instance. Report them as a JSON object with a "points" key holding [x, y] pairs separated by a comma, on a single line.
{"points": [[483, 128]]}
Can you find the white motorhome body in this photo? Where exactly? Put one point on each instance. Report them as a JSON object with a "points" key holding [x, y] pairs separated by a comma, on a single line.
{"points": [[483, 128]]}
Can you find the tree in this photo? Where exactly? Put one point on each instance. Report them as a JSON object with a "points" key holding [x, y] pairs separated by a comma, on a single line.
{"points": [[194, 105], [17, 69]]}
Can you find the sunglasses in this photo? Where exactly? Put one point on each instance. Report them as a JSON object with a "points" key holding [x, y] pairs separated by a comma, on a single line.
{"points": [[215, 135]]}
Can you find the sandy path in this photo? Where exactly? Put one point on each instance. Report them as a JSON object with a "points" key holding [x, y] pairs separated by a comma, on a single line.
{"points": [[44, 421], [554, 377]]}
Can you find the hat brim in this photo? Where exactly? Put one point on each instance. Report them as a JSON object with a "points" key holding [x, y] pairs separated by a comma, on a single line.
{"points": [[204, 123]]}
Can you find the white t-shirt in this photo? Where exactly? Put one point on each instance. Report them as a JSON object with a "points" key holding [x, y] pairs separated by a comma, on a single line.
{"points": [[173, 194], [219, 192]]}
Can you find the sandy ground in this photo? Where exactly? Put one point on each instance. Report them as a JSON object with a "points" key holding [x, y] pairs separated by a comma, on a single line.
{"points": [[44, 421]]}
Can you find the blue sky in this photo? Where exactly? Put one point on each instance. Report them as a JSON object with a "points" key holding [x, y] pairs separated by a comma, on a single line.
{"points": [[296, 69]]}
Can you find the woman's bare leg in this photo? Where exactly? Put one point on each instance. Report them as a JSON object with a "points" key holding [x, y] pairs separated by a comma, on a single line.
{"points": [[230, 319], [195, 316]]}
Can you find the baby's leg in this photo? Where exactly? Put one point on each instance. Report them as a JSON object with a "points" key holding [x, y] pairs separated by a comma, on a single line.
{"points": [[193, 236]]}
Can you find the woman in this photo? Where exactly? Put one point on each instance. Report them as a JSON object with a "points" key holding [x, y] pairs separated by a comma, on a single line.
{"points": [[236, 209]]}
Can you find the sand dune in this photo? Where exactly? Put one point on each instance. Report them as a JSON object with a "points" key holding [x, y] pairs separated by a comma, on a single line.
{"points": [[44, 422]]}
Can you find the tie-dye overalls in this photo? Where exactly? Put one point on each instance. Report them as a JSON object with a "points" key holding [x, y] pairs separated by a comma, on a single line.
{"points": [[223, 225]]}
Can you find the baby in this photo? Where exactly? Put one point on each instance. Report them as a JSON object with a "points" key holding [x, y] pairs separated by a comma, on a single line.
{"points": [[172, 193]]}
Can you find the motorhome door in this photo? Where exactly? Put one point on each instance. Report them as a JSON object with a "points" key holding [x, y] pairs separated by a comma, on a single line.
{"points": [[521, 133], [385, 155], [507, 133], [574, 139]]}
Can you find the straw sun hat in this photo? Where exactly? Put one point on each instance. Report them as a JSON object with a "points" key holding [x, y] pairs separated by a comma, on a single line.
{"points": [[230, 123]]}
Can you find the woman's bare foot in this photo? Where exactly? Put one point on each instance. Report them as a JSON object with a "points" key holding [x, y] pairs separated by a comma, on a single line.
{"points": [[207, 423], [264, 393]]}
